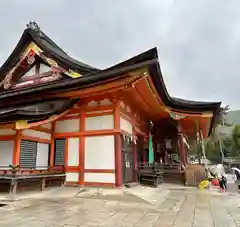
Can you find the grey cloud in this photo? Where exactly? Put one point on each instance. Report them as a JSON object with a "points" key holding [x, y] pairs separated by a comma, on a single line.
{"points": [[198, 41]]}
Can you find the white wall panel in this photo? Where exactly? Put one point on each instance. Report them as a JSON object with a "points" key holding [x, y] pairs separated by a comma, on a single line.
{"points": [[6, 153], [125, 125], [67, 126], [72, 177], [37, 134], [6, 131], [73, 152], [99, 152], [100, 177], [42, 156], [100, 122], [47, 125]]}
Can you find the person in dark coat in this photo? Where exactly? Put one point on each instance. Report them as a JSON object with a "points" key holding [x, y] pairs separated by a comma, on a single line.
{"points": [[223, 183]]}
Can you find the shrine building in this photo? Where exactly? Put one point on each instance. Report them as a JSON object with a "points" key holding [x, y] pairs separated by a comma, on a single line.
{"points": [[59, 115]]}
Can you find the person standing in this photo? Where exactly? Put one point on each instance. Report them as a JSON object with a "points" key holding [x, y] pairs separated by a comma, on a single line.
{"points": [[224, 182], [221, 184]]}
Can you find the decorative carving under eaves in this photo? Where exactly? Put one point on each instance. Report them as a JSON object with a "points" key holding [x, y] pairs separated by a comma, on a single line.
{"points": [[122, 104], [24, 63], [27, 58], [7, 81], [93, 103], [176, 116], [30, 59], [38, 51]]}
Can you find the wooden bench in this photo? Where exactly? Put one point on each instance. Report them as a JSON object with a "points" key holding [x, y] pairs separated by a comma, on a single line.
{"points": [[37, 181]]}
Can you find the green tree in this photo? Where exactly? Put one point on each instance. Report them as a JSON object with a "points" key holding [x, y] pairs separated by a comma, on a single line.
{"points": [[222, 116], [216, 145], [235, 136], [228, 147], [212, 148]]}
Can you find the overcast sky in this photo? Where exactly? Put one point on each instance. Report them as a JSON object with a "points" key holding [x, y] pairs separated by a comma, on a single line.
{"points": [[198, 41]]}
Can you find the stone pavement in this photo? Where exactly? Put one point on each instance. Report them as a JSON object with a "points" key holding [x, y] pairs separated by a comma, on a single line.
{"points": [[182, 207]]}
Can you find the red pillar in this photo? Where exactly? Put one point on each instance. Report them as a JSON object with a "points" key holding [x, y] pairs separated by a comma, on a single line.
{"points": [[182, 150], [17, 145], [135, 155], [82, 149], [52, 148], [118, 146]]}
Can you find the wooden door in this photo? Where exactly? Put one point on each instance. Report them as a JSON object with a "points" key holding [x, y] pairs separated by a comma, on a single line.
{"points": [[128, 167], [128, 161]]}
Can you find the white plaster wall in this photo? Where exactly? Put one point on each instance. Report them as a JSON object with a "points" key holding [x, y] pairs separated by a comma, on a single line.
{"points": [[42, 156], [6, 131], [37, 134], [99, 152], [72, 177], [100, 122], [125, 125], [73, 152], [67, 126], [100, 177], [47, 125], [6, 153]]}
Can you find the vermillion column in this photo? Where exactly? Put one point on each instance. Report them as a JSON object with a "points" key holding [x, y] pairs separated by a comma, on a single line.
{"points": [[82, 149], [182, 150], [135, 154], [118, 146], [17, 145], [52, 148]]}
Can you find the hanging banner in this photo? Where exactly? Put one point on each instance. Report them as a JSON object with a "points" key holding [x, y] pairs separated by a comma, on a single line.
{"points": [[150, 150], [150, 146]]}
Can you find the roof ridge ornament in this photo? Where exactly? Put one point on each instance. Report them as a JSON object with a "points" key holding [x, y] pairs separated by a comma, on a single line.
{"points": [[32, 25]]}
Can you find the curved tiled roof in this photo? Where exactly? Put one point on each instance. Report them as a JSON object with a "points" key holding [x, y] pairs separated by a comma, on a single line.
{"points": [[50, 48], [91, 76]]}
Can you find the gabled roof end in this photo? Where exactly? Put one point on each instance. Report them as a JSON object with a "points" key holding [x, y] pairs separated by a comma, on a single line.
{"points": [[33, 26]]}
